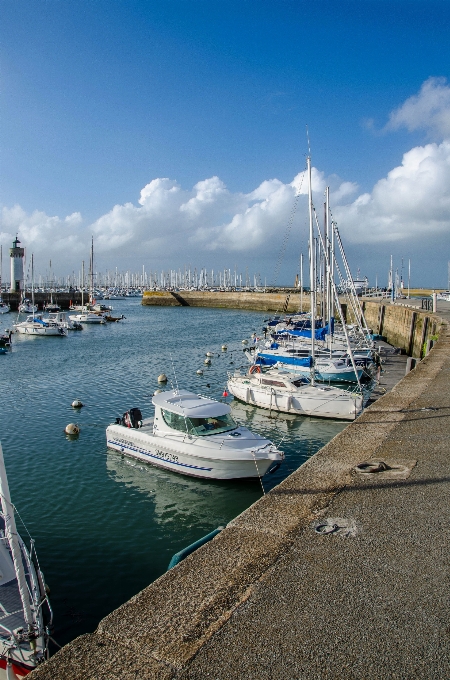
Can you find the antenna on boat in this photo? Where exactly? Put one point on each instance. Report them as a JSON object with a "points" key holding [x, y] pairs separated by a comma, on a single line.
{"points": [[174, 374]]}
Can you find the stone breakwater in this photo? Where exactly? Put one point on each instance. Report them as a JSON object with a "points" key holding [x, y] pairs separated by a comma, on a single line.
{"points": [[269, 597], [405, 327]]}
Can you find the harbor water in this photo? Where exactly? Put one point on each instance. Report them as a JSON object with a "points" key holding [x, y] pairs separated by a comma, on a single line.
{"points": [[106, 526]]}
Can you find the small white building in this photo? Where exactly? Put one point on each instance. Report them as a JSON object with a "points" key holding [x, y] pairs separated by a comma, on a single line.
{"points": [[17, 254]]}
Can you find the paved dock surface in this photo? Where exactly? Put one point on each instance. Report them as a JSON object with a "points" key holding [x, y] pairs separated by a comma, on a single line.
{"points": [[333, 574]]}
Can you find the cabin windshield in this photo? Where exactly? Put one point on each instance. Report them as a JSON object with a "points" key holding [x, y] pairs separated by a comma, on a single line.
{"points": [[199, 426]]}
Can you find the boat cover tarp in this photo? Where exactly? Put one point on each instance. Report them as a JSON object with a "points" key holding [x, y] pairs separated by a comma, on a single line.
{"points": [[319, 333], [265, 359]]}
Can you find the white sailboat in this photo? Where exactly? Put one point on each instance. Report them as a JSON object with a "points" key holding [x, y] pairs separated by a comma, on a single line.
{"points": [[87, 314], [286, 392], [34, 324], [282, 390], [23, 600], [4, 308]]}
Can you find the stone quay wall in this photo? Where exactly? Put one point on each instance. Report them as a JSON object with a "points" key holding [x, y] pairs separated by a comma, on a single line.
{"points": [[405, 327]]}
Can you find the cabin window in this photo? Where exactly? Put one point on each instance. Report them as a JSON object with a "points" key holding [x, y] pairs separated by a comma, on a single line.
{"points": [[177, 421], [199, 426], [276, 383]]}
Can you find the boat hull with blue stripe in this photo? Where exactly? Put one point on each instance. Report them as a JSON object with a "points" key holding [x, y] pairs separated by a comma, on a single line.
{"points": [[194, 436]]}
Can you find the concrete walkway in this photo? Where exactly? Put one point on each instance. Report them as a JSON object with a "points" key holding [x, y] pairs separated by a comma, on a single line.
{"points": [[364, 598]]}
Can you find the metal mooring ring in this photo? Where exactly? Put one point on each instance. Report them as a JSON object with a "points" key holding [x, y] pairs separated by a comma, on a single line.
{"points": [[325, 529], [369, 467]]}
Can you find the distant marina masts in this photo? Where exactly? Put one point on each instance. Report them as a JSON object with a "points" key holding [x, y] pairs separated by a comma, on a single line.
{"points": [[17, 255]]}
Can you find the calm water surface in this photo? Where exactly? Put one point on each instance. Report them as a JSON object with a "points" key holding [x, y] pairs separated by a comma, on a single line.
{"points": [[106, 526]]}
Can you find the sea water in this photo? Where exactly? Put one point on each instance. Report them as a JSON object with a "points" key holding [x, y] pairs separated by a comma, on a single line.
{"points": [[106, 526]]}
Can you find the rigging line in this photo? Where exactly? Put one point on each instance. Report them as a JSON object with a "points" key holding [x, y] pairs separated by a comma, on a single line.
{"points": [[259, 477], [287, 231], [338, 305], [18, 514]]}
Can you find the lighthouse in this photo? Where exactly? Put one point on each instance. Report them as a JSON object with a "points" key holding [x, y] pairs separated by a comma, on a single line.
{"points": [[17, 254]]}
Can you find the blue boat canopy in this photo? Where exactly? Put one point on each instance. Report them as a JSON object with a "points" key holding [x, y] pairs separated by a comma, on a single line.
{"points": [[264, 359]]}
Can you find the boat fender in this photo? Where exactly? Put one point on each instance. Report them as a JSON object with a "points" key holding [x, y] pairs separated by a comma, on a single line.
{"points": [[274, 468], [254, 369]]}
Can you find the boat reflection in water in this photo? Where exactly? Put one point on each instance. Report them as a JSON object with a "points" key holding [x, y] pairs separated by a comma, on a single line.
{"points": [[183, 503]]}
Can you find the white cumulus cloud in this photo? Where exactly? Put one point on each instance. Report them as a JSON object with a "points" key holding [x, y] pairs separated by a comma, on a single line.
{"points": [[172, 224], [428, 110], [412, 201]]}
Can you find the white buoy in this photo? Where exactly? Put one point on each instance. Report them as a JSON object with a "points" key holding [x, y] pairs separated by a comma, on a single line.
{"points": [[245, 342], [71, 428], [209, 354], [224, 348], [157, 392], [199, 372], [77, 403], [162, 378], [207, 361]]}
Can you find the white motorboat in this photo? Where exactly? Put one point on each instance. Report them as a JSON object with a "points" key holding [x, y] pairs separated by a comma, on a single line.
{"points": [[284, 391], [26, 614], [194, 436], [87, 317], [63, 320], [35, 325]]}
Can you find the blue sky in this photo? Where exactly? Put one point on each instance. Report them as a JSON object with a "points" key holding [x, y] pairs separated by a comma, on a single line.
{"points": [[101, 99]]}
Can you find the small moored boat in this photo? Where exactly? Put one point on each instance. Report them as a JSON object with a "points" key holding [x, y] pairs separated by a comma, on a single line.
{"points": [[194, 436]]}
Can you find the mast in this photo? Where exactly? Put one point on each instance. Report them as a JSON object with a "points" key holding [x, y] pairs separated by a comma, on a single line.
{"points": [[32, 281], [312, 275], [91, 292], [12, 538], [301, 282], [327, 264], [82, 284]]}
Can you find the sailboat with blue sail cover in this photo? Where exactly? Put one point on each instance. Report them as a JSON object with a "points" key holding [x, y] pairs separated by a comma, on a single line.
{"points": [[273, 381]]}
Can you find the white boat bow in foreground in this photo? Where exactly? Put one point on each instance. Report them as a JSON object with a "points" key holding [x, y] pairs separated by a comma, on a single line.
{"points": [[23, 631]]}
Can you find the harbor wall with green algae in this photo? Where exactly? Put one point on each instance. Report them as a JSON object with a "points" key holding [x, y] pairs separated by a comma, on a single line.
{"points": [[404, 327], [162, 631]]}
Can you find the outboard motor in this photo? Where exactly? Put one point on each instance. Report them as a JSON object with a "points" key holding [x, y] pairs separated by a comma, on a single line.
{"points": [[132, 418]]}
